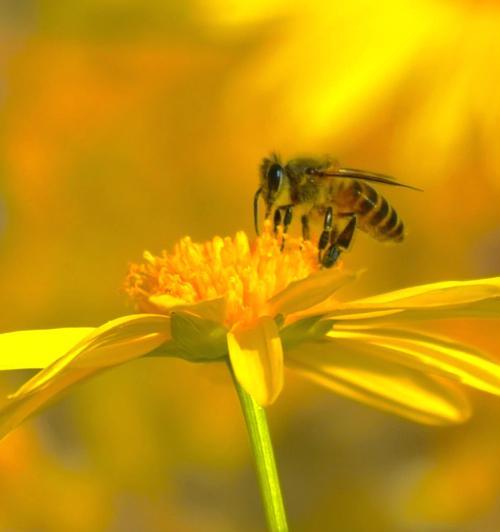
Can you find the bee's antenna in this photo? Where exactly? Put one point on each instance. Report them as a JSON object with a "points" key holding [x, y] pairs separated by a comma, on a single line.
{"points": [[256, 210]]}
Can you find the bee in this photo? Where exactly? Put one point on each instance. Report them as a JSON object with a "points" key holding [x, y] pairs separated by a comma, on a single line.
{"points": [[340, 197]]}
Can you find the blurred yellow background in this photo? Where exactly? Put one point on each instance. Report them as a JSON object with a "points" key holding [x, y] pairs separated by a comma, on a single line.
{"points": [[127, 125]]}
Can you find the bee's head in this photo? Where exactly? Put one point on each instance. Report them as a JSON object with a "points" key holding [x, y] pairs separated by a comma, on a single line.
{"points": [[273, 184]]}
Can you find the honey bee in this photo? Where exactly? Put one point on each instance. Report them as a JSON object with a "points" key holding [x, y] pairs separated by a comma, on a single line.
{"points": [[321, 188]]}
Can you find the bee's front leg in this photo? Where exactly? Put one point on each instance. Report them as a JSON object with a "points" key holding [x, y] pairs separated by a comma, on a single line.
{"points": [[287, 220], [306, 232], [276, 220], [339, 244]]}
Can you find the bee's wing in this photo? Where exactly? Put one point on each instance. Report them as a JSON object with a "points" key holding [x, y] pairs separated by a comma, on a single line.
{"points": [[365, 176]]}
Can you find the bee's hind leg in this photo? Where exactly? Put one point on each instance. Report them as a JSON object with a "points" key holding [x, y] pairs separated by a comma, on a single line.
{"points": [[339, 244]]}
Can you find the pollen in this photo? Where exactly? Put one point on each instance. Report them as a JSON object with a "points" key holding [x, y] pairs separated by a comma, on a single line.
{"points": [[245, 273]]}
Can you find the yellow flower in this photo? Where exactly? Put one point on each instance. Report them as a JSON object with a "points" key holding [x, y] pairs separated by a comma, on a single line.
{"points": [[258, 307]]}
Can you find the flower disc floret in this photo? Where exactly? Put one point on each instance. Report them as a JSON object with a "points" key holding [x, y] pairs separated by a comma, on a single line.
{"points": [[246, 275]]}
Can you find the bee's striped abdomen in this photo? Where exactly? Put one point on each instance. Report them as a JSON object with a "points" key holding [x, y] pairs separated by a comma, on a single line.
{"points": [[375, 215]]}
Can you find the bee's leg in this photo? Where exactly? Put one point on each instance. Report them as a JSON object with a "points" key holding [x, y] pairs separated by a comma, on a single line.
{"points": [[276, 220], [325, 235], [287, 220], [345, 238], [341, 243], [306, 232]]}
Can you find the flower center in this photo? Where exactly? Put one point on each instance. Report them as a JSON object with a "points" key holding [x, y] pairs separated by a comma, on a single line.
{"points": [[246, 274]]}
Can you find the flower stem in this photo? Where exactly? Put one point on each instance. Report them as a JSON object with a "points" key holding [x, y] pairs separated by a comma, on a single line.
{"points": [[260, 440]]}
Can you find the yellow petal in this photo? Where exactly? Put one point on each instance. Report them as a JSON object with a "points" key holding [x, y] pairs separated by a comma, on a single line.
{"points": [[431, 354], [308, 292], [361, 318], [18, 409], [479, 298], [361, 372], [445, 293], [256, 356], [166, 302], [114, 343], [39, 348]]}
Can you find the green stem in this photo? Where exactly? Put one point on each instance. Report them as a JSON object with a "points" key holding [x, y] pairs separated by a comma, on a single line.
{"points": [[260, 440]]}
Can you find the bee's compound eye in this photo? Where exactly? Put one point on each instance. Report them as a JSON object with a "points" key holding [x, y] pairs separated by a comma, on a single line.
{"points": [[275, 177]]}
